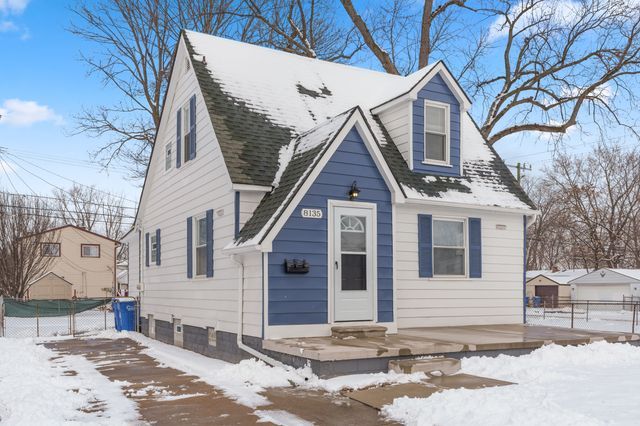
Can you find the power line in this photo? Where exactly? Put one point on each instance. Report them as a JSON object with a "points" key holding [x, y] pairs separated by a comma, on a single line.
{"points": [[68, 161], [44, 197], [57, 187], [19, 158], [60, 211]]}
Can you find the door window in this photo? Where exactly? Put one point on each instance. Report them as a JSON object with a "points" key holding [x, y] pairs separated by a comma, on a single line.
{"points": [[353, 243]]}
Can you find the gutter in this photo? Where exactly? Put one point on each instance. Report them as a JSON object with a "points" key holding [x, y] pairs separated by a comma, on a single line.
{"points": [[251, 351]]}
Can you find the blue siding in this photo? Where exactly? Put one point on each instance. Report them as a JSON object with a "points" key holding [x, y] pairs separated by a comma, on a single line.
{"points": [[475, 247], [436, 90], [302, 299], [425, 246]]}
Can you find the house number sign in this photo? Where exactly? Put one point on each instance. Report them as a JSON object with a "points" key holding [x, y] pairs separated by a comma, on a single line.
{"points": [[312, 213]]}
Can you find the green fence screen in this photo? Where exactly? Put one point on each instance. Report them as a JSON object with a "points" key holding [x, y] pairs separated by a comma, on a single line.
{"points": [[50, 308]]}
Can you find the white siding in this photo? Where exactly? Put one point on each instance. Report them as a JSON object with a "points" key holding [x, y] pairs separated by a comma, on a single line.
{"points": [[172, 196], [496, 298], [608, 292], [397, 121], [249, 200], [134, 262]]}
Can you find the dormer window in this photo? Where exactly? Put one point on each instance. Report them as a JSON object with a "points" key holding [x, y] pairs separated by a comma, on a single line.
{"points": [[437, 135]]}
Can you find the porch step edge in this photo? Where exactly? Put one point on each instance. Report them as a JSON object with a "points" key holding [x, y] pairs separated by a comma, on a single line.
{"points": [[358, 331], [445, 366]]}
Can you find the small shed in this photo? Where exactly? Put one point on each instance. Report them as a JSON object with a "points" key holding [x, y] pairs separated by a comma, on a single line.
{"points": [[50, 286], [607, 284], [552, 287]]}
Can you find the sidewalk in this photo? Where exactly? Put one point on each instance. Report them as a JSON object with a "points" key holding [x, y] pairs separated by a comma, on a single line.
{"points": [[165, 395]]}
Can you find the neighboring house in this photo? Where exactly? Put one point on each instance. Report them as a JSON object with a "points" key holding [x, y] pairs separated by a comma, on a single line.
{"points": [[607, 284], [122, 278], [84, 259], [287, 195], [50, 286], [552, 286]]}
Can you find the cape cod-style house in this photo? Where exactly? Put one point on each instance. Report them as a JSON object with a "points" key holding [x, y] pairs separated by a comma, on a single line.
{"points": [[287, 195]]}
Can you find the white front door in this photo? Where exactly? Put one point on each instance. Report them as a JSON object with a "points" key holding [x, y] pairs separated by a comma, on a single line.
{"points": [[353, 258]]}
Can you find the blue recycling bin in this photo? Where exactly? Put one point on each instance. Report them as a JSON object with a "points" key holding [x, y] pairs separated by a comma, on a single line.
{"points": [[526, 301], [537, 301], [124, 313]]}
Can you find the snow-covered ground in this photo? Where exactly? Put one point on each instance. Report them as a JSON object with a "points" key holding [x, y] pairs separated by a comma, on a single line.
{"points": [[614, 319], [34, 389], [594, 384], [87, 321]]}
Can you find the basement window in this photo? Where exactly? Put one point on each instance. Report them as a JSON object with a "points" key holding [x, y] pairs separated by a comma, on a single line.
{"points": [[211, 336]]}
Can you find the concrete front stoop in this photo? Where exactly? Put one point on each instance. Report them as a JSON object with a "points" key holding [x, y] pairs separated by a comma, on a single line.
{"points": [[445, 366], [358, 331]]}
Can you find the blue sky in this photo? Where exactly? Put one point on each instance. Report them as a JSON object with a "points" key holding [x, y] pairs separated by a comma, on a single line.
{"points": [[43, 84]]}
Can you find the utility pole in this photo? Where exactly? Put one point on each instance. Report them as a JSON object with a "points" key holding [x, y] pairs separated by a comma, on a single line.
{"points": [[520, 169]]}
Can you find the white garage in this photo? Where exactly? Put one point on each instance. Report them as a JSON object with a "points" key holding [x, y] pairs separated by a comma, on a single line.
{"points": [[607, 285]]}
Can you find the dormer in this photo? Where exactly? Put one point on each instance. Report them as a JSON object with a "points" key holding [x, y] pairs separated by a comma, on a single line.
{"points": [[424, 122]]}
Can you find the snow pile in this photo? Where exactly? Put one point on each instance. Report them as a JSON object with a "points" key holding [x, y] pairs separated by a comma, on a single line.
{"points": [[361, 381], [34, 388], [593, 384]]}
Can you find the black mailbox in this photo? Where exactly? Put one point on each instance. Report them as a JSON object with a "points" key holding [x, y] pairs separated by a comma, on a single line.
{"points": [[296, 266]]}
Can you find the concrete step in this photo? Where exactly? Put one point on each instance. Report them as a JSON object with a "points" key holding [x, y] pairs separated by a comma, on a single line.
{"points": [[445, 366], [358, 331]]}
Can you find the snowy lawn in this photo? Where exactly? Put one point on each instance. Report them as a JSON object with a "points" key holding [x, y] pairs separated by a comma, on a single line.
{"points": [[87, 321], [617, 320], [35, 390], [596, 384]]}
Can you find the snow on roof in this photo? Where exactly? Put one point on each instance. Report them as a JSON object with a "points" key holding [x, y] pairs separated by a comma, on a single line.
{"points": [[262, 100], [560, 277], [631, 273], [295, 91]]}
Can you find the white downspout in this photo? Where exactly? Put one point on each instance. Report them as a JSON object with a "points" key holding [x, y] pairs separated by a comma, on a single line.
{"points": [[267, 359]]}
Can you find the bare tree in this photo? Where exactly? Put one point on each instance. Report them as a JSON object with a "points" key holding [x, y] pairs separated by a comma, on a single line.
{"points": [[304, 27], [91, 209], [589, 211], [135, 40], [560, 62], [23, 222]]}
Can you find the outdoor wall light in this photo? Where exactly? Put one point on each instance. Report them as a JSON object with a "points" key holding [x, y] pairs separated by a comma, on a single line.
{"points": [[354, 191]]}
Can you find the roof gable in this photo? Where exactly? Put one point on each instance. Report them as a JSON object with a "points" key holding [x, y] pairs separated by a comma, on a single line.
{"points": [[609, 276]]}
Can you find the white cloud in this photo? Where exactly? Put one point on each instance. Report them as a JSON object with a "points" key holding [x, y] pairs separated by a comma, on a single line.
{"points": [[17, 112], [7, 26], [13, 6]]}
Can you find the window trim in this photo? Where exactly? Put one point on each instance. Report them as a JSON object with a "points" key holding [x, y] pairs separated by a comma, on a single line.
{"points": [[186, 132], [153, 249], [194, 242], [82, 246], [167, 147], [465, 239], [48, 255], [446, 134]]}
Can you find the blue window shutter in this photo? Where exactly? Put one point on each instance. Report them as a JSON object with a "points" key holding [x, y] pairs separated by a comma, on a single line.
{"points": [[146, 249], [209, 243], [475, 248], [425, 246], [179, 138], [157, 247], [189, 247], [192, 131]]}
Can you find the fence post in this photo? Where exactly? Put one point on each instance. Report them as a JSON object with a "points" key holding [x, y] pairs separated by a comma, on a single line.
{"points": [[544, 309], [73, 318], [37, 321], [633, 318], [572, 311], [105, 315], [588, 311]]}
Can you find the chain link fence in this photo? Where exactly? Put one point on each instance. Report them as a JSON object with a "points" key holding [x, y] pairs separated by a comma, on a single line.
{"points": [[622, 317], [47, 318]]}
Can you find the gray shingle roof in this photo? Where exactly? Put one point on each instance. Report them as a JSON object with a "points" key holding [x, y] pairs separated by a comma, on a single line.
{"points": [[261, 100]]}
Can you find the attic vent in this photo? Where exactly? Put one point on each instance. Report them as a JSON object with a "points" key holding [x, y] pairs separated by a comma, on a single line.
{"points": [[187, 65]]}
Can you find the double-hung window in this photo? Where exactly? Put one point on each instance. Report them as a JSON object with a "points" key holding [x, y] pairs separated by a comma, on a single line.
{"points": [[90, 250], [50, 249], [153, 242], [200, 245], [436, 132], [449, 247], [186, 130]]}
